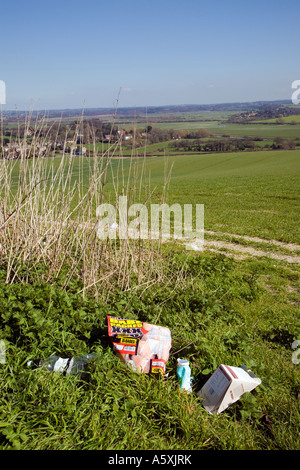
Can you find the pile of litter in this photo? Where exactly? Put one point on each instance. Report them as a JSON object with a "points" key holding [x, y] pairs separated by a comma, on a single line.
{"points": [[146, 349]]}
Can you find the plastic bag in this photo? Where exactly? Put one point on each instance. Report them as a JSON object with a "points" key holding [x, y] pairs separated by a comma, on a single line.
{"points": [[145, 347]]}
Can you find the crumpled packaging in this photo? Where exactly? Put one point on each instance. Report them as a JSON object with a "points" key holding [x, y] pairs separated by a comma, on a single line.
{"points": [[144, 347]]}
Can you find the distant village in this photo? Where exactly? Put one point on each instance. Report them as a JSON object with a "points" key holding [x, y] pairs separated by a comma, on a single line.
{"points": [[44, 142], [79, 138]]}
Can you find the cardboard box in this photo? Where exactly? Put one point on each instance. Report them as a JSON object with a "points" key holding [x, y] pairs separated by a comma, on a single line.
{"points": [[226, 386]]}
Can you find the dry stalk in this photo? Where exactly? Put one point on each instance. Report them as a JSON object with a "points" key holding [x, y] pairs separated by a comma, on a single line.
{"points": [[48, 214]]}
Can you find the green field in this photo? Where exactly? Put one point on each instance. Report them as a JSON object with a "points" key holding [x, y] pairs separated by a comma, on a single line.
{"points": [[217, 127], [240, 130], [246, 193], [285, 119], [252, 193]]}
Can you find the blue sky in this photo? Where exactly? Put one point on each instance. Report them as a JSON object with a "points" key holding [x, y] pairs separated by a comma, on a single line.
{"points": [[74, 54]]}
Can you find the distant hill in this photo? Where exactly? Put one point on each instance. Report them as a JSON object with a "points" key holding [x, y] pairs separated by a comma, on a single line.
{"points": [[135, 111]]}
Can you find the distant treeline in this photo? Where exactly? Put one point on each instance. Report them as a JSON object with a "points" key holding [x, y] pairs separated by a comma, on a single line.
{"points": [[228, 145], [155, 135], [219, 145]]}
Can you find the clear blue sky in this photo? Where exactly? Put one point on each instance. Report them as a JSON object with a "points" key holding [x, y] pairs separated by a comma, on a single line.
{"points": [[70, 53]]}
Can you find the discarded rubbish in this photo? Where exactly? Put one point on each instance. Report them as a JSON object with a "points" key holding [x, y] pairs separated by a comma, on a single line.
{"points": [[184, 374], [66, 366], [226, 386], [142, 346]]}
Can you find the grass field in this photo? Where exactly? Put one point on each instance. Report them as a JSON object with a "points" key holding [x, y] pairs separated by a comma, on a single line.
{"points": [[239, 130], [257, 129], [285, 119], [252, 193], [220, 307]]}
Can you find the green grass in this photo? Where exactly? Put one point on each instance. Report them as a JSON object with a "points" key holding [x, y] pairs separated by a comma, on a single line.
{"points": [[286, 119], [258, 130], [177, 125], [252, 193], [269, 131], [225, 312], [246, 193]]}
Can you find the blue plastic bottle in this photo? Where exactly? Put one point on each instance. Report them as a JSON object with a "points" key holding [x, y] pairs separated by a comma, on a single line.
{"points": [[184, 374]]}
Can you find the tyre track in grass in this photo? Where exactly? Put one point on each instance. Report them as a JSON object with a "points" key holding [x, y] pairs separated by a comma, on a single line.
{"points": [[286, 246], [240, 251]]}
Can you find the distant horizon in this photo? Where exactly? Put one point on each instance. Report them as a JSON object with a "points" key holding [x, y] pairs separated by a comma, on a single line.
{"points": [[111, 108]]}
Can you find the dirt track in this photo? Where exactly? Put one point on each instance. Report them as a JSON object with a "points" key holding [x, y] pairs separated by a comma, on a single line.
{"points": [[240, 251]]}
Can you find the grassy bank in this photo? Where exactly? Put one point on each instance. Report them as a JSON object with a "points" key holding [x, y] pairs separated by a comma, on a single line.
{"points": [[222, 311]]}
